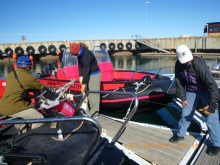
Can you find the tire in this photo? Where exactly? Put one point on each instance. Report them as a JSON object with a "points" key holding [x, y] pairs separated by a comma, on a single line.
{"points": [[19, 51], [9, 51], [120, 46], [62, 47], [129, 45], [137, 46], [52, 49], [42, 49], [102, 45], [30, 50], [111, 46]]}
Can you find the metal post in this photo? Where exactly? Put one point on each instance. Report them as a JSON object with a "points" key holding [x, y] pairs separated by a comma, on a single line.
{"points": [[146, 18]]}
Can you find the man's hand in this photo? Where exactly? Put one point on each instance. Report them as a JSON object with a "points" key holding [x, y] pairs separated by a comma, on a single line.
{"points": [[83, 88], [80, 79], [185, 102], [209, 109]]}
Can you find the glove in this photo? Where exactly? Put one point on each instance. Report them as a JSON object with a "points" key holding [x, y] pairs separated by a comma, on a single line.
{"points": [[209, 109], [83, 88], [80, 79]]}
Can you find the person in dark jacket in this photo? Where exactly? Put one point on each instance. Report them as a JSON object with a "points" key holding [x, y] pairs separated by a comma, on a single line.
{"points": [[89, 75], [194, 82], [11, 103]]}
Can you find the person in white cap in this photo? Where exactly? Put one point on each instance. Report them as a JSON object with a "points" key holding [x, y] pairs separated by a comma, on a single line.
{"points": [[194, 82]]}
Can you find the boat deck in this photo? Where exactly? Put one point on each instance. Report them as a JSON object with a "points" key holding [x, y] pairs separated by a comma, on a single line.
{"points": [[151, 143]]}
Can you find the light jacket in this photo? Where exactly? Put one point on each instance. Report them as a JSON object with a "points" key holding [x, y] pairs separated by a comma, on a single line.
{"points": [[11, 101]]}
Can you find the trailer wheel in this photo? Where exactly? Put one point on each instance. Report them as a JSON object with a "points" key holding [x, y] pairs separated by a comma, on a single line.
{"points": [[42, 49], [30, 50]]}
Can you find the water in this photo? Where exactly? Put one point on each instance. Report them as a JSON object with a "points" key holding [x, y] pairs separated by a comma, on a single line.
{"points": [[167, 116]]}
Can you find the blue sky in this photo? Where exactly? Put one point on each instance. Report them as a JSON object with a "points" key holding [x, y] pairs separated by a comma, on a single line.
{"points": [[60, 20]]}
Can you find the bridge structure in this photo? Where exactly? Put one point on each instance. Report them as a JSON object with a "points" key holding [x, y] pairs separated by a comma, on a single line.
{"points": [[136, 43]]}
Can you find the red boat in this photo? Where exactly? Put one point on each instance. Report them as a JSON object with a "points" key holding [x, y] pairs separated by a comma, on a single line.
{"points": [[154, 91]]}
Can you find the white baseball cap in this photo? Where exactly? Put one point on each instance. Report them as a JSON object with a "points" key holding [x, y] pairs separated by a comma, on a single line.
{"points": [[184, 54]]}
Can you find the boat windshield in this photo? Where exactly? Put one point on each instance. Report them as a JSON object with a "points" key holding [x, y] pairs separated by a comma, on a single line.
{"points": [[101, 55], [68, 59]]}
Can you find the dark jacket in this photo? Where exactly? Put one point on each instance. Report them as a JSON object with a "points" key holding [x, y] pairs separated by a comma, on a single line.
{"points": [[87, 64], [11, 101], [195, 78]]}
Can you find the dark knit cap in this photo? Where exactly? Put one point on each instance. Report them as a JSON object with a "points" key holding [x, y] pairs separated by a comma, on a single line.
{"points": [[74, 48], [24, 61]]}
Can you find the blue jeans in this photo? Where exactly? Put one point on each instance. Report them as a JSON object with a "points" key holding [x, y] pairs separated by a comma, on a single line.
{"points": [[188, 112]]}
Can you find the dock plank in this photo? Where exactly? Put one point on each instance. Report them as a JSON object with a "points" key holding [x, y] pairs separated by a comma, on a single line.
{"points": [[152, 144], [206, 159]]}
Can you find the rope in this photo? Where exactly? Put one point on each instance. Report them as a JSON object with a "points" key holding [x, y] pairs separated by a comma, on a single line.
{"points": [[5, 147], [69, 133], [108, 94], [143, 89], [129, 109]]}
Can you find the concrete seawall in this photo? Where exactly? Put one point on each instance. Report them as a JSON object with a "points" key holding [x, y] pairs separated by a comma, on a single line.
{"points": [[196, 44]]}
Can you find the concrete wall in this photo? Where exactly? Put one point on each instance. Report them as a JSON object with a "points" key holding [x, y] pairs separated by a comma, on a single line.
{"points": [[198, 42]]}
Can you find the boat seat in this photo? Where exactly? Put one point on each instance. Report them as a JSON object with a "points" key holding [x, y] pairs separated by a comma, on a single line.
{"points": [[163, 82], [146, 78], [48, 69]]}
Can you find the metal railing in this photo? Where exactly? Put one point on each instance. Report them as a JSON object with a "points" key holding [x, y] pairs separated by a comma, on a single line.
{"points": [[63, 119], [121, 129], [152, 43], [153, 69]]}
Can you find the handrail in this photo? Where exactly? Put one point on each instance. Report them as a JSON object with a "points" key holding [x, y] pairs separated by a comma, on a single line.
{"points": [[121, 129], [151, 70], [59, 119]]}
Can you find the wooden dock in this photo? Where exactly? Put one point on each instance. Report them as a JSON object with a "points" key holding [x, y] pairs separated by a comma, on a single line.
{"points": [[151, 143], [204, 158]]}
